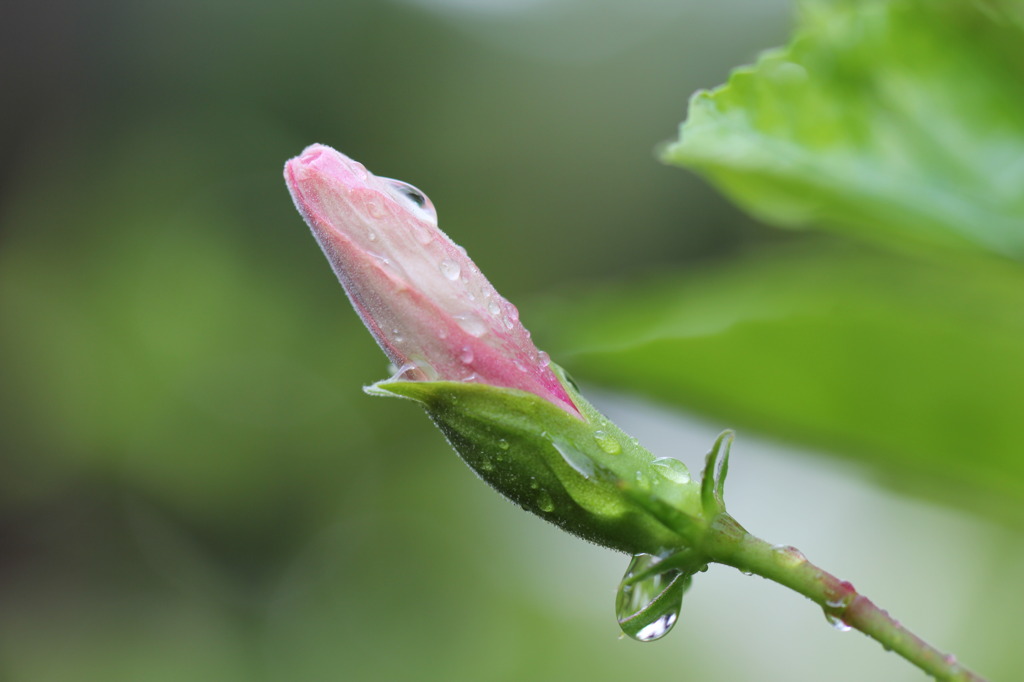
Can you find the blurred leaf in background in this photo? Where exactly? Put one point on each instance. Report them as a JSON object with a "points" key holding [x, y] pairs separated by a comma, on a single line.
{"points": [[895, 123]]}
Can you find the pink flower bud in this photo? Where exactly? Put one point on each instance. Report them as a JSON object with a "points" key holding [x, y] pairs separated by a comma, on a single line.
{"points": [[429, 307]]}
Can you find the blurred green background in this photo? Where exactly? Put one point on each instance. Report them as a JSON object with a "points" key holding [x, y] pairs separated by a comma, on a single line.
{"points": [[193, 486]]}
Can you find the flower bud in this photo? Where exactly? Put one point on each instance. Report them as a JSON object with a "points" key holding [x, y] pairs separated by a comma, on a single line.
{"points": [[429, 307], [462, 353]]}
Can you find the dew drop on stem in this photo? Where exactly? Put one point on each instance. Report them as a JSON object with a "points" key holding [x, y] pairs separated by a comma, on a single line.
{"points": [[837, 622]]}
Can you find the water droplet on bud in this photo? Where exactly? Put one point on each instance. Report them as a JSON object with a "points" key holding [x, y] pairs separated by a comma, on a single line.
{"points": [[450, 269], [641, 481], [471, 324], [672, 469], [607, 442], [578, 460]]}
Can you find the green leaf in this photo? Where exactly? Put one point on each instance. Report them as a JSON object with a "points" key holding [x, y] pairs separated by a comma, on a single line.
{"points": [[913, 368], [895, 121]]}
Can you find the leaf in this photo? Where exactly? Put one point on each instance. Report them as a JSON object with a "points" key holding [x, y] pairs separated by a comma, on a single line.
{"points": [[913, 368], [894, 121]]}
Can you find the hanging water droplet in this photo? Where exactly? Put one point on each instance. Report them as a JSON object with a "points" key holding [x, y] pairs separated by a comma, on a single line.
{"points": [[648, 601], [837, 622], [672, 469], [471, 324], [544, 502], [607, 442], [450, 269]]}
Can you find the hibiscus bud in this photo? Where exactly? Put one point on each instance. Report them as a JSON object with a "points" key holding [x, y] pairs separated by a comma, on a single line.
{"points": [[461, 352], [429, 307]]}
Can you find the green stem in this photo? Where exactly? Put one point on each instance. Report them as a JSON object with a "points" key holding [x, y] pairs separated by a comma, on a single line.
{"points": [[729, 543]]}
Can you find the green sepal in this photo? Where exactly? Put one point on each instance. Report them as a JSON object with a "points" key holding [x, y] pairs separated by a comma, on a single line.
{"points": [[584, 475], [712, 485]]}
